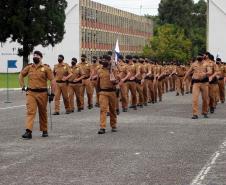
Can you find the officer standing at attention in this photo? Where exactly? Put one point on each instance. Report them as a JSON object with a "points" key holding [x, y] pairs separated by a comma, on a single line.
{"points": [[200, 73], [75, 85], [106, 84], [86, 83], [62, 73], [37, 93]]}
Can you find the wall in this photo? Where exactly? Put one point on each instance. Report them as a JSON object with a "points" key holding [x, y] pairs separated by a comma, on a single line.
{"points": [[217, 28]]}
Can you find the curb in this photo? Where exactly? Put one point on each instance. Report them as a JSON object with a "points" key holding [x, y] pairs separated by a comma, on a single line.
{"points": [[10, 89]]}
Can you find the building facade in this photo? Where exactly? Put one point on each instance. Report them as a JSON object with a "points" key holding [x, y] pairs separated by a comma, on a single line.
{"points": [[90, 28], [102, 25]]}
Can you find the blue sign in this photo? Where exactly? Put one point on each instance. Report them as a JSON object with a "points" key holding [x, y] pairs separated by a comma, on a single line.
{"points": [[12, 63]]}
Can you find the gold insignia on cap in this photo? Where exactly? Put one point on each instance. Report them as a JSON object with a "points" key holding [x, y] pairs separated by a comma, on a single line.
{"points": [[42, 69]]}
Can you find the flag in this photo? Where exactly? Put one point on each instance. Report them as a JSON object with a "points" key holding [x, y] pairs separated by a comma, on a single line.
{"points": [[12, 63], [117, 51]]}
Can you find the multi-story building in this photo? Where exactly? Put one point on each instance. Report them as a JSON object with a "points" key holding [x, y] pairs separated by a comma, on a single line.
{"points": [[91, 28], [102, 25]]}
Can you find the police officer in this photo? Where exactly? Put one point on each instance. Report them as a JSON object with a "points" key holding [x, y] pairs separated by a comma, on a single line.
{"points": [[86, 83], [75, 85], [37, 93], [94, 68], [200, 72], [221, 76], [107, 80]]}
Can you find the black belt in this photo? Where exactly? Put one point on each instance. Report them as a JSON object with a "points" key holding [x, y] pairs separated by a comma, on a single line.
{"points": [[130, 81], [200, 81], [60, 81], [138, 81], [221, 78], [214, 81], [80, 81], [85, 78], [38, 90], [108, 90], [149, 78]]}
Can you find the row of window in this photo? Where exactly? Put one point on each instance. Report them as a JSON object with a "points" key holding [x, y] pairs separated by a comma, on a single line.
{"points": [[115, 20], [103, 37]]}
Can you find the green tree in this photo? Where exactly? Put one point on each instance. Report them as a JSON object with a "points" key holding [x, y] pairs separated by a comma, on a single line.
{"points": [[32, 22], [169, 43], [176, 12]]}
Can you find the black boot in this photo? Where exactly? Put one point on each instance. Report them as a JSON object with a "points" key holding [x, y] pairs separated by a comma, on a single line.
{"points": [[114, 129], [45, 134], [101, 131], [90, 106], [124, 110], [117, 111], [211, 110], [205, 116], [177, 94], [194, 117], [27, 134], [56, 113]]}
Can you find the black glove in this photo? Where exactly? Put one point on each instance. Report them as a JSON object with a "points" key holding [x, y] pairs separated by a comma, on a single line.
{"points": [[23, 88], [51, 97]]}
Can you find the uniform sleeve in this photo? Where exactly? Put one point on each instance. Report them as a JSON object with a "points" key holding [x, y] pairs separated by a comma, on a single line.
{"points": [[25, 71], [49, 73]]}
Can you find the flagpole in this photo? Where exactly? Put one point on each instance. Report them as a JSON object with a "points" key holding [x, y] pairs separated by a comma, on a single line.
{"points": [[7, 85]]}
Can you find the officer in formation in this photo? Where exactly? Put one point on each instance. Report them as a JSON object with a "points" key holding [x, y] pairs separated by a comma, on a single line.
{"points": [[130, 83], [37, 93], [208, 80]]}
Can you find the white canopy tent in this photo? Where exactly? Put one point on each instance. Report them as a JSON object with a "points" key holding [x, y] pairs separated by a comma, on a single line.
{"points": [[217, 28]]}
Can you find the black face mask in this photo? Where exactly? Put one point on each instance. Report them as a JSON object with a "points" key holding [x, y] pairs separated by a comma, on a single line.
{"points": [[83, 59], [60, 60], [73, 63], [36, 60], [105, 64]]}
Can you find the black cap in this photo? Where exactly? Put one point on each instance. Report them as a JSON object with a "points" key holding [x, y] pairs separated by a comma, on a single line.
{"points": [[61, 56], [120, 57], [38, 53], [107, 57], [94, 57], [218, 59], [129, 57], [74, 59], [83, 56]]}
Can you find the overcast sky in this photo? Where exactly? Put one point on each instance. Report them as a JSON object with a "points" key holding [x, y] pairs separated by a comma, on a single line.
{"points": [[139, 7]]}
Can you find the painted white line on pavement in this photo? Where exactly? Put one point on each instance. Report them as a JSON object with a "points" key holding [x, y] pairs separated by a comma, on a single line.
{"points": [[198, 180], [5, 108], [10, 89]]}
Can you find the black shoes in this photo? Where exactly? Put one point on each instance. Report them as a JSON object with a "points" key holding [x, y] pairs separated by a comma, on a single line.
{"points": [[67, 112], [145, 104], [211, 110], [56, 113], [27, 134], [97, 105], [194, 117], [108, 113], [79, 110], [117, 111], [205, 116], [177, 94], [101, 131], [114, 129], [45, 134], [90, 106], [124, 110]]}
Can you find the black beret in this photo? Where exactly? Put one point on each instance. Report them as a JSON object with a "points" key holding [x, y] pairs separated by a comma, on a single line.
{"points": [[74, 59], [38, 53], [61, 56], [129, 57], [83, 56], [107, 57]]}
